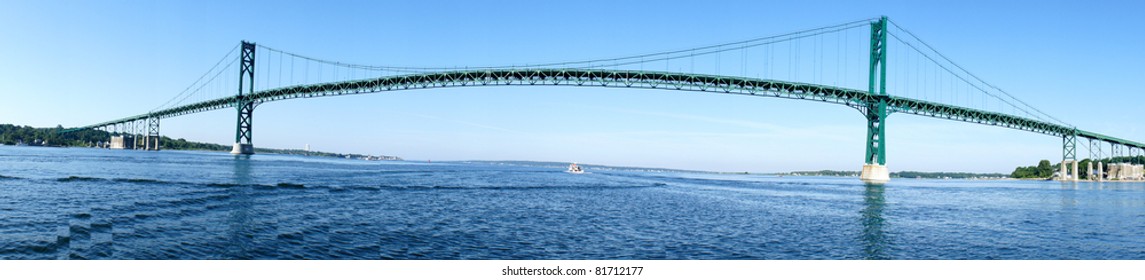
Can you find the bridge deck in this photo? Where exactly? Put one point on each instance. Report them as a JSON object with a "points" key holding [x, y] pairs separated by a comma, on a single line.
{"points": [[631, 79]]}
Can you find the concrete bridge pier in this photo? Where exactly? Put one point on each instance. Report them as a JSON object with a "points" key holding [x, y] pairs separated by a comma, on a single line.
{"points": [[242, 149], [876, 174], [1089, 166], [152, 143], [1100, 171], [1075, 174], [1072, 176]]}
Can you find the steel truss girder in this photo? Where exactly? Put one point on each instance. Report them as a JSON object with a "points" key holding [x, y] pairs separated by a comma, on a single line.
{"points": [[627, 79], [654, 80], [635, 79], [574, 77], [937, 110]]}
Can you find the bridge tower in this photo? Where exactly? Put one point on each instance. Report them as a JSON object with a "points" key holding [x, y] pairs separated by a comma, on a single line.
{"points": [[875, 169], [243, 102]]}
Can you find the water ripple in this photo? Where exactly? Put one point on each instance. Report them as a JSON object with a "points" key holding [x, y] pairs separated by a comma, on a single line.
{"points": [[101, 204]]}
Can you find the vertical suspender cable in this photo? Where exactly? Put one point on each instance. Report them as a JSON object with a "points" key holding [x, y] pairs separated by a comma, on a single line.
{"points": [[280, 69]]}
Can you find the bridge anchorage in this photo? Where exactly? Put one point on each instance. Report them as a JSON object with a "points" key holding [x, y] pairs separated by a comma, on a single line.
{"points": [[908, 93]]}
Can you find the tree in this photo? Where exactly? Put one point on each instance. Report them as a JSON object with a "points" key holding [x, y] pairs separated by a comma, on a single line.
{"points": [[1045, 169], [1082, 172]]}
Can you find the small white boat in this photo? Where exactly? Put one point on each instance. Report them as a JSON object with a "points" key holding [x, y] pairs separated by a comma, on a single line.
{"points": [[575, 169]]}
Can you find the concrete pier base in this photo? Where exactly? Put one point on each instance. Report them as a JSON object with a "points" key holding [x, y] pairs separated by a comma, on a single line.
{"points": [[1064, 176], [1061, 174], [242, 149], [875, 174], [1100, 171], [1089, 175], [1075, 174], [122, 142]]}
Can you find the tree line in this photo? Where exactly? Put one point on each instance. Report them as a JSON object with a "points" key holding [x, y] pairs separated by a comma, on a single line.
{"points": [[13, 134], [51, 137], [27, 135]]}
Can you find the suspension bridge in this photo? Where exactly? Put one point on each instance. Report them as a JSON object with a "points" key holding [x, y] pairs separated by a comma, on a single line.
{"points": [[872, 65]]}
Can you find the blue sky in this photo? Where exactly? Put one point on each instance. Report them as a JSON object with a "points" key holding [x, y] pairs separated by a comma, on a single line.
{"points": [[79, 62]]}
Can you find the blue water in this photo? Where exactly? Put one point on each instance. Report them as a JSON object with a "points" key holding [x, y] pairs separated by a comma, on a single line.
{"points": [[58, 203]]}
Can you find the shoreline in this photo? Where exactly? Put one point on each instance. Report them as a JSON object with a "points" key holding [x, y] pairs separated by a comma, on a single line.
{"points": [[973, 179], [272, 151], [528, 163]]}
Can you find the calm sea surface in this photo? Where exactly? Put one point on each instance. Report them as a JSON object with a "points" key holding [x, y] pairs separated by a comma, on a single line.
{"points": [[58, 203]]}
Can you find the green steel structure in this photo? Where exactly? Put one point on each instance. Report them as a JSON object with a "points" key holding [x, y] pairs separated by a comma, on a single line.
{"points": [[874, 103], [876, 110], [244, 103], [858, 99]]}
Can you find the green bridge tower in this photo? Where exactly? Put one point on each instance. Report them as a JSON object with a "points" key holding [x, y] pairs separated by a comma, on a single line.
{"points": [[875, 168], [244, 103]]}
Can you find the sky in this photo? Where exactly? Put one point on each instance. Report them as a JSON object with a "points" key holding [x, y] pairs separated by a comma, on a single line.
{"points": [[74, 63]]}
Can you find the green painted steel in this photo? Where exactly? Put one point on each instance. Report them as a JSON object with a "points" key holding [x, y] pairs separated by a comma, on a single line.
{"points": [[878, 73], [153, 138], [876, 112], [1095, 149], [1069, 146], [858, 99], [243, 103], [875, 104]]}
